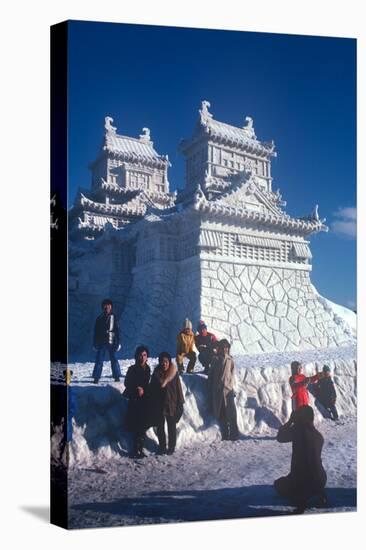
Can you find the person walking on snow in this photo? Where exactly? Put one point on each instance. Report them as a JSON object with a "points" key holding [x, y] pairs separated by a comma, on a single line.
{"points": [[166, 402], [298, 382], [185, 345], [106, 340], [326, 394], [221, 395], [205, 343]]}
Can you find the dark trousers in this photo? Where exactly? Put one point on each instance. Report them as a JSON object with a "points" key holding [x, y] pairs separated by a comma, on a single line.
{"points": [[98, 367], [205, 358], [228, 418], [333, 412], [172, 432]]}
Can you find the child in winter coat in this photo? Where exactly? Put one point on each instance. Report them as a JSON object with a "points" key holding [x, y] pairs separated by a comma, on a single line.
{"points": [[326, 394], [298, 382], [185, 345], [166, 401], [221, 391]]}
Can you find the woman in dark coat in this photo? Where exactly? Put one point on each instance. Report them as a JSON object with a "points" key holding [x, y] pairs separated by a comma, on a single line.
{"points": [[307, 477], [136, 390], [166, 401]]}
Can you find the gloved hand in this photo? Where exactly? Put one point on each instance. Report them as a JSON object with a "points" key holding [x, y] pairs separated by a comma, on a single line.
{"points": [[118, 347]]}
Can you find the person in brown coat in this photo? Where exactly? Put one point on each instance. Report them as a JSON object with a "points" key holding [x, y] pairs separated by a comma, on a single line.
{"points": [[307, 477], [221, 391], [166, 401], [185, 345]]}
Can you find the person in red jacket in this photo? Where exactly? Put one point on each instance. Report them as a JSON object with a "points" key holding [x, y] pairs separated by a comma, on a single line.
{"points": [[206, 343], [298, 382]]}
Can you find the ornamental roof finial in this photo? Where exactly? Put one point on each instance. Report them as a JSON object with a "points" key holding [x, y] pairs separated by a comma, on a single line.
{"points": [[145, 136], [249, 127], [204, 112], [108, 125]]}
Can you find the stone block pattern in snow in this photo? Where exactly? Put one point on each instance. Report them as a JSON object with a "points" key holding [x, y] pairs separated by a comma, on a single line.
{"points": [[262, 309]]}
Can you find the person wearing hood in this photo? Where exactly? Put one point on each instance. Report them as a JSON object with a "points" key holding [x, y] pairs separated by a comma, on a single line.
{"points": [[307, 477], [137, 391], [166, 402], [221, 397], [185, 348]]}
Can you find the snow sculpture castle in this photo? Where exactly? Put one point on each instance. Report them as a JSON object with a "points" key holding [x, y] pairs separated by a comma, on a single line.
{"points": [[222, 249]]}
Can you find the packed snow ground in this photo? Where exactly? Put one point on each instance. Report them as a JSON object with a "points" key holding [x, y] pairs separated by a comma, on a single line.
{"points": [[207, 481]]}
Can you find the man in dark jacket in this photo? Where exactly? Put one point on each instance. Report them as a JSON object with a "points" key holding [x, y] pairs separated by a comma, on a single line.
{"points": [[106, 340], [326, 394], [137, 391], [205, 343], [307, 477]]}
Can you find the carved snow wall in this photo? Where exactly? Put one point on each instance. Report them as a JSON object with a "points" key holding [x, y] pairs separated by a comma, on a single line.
{"points": [[264, 309]]}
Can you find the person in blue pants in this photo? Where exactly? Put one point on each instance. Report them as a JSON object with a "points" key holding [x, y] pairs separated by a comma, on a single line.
{"points": [[106, 341]]}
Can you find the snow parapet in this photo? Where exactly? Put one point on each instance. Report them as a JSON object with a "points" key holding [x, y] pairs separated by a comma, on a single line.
{"points": [[263, 401]]}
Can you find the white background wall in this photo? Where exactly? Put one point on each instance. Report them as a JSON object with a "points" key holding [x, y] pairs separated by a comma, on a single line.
{"points": [[25, 303]]}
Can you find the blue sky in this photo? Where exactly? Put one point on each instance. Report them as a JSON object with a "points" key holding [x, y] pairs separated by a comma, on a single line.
{"points": [[301, 92]]}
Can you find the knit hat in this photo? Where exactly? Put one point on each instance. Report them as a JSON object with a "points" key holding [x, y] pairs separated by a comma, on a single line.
{"points": [[201, 325], [187, 324], [326, 368]]}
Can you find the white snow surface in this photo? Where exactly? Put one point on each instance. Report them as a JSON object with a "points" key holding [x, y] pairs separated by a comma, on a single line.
{"points": [[348, 316], [205, 478]]}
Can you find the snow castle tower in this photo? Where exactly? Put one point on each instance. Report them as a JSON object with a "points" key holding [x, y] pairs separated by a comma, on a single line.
{"points": [[223, 249]]}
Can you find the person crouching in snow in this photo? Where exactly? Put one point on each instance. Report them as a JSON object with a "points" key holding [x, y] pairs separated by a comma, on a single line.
{"points": [[205, 343], [106, 340], [185, 345], [307, 477], [221, 391], [326, 394], [298, 382], [136, 390], [166, 402]]}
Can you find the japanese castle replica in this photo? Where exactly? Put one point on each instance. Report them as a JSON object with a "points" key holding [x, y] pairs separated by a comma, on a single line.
{"points": [[223, 249]]}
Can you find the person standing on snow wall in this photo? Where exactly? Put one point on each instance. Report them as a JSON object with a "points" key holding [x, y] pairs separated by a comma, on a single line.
{"points": [[106, 340]]}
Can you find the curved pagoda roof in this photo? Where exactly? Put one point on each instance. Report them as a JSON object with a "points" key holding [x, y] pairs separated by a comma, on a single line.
{"points": [[243, 138], [132, 149]]}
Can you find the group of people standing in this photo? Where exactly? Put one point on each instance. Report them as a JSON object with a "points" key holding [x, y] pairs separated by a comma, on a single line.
{"points": [[156, 399]]}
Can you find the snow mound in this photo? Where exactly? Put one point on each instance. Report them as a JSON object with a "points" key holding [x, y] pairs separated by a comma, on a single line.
{"points": [[348, 316], [263, 401]]}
